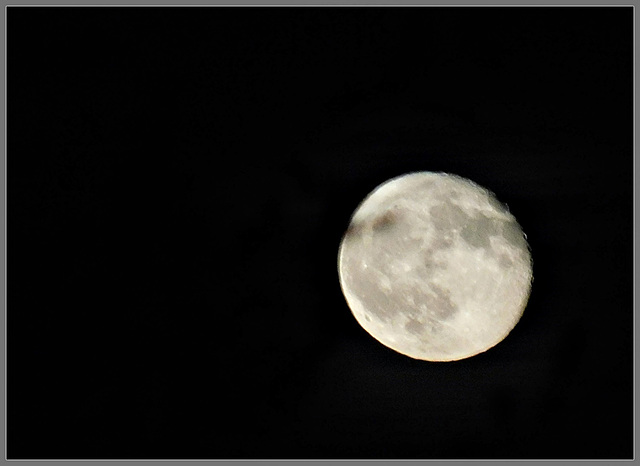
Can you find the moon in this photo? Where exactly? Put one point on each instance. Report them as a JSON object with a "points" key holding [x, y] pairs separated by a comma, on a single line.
{"points": [[434, 267]]}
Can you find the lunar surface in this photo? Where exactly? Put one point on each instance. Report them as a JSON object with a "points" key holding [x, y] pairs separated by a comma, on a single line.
{"points": [[434, 267]]}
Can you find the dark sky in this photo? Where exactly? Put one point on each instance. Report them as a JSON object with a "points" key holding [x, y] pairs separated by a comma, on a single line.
{"points": [[178, 184]]}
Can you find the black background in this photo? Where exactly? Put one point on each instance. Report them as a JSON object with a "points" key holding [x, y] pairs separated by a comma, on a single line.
{"points": [[178, 184]]}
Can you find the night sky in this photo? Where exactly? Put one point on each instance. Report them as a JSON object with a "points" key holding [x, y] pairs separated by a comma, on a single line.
{"points": [[179, 181]]}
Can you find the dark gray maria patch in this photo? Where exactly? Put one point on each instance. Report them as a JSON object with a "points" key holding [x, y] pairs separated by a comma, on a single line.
{"points": [[505, 262], [385, 222], [478, 231], [414, 327], [443, 242], [430, 263], [439, 302], [513, 234], [447, 216]]}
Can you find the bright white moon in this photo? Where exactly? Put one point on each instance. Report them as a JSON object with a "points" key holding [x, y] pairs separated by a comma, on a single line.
{"points": [[434, 267]]}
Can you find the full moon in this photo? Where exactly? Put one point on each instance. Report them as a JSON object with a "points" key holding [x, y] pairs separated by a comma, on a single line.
{"points": [[434, 267]]}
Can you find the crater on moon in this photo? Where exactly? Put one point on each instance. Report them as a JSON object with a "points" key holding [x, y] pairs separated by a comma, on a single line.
{"points": [[435, 267], [447, 216]]}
